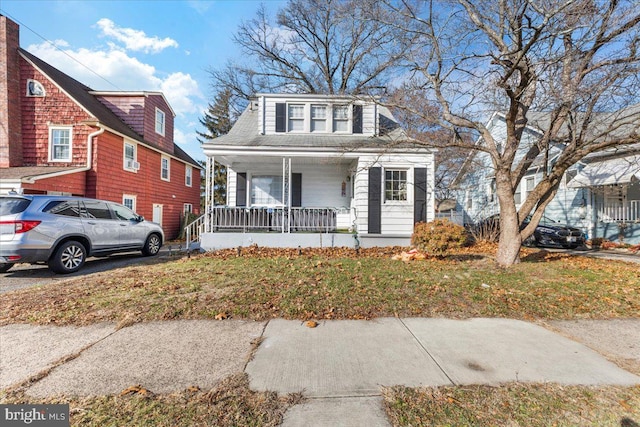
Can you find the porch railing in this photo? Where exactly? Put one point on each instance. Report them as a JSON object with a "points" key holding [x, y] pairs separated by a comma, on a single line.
{"points": [[627, 211], [278, 219]]}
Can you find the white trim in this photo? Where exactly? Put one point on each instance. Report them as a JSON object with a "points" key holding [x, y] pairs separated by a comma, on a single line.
{"points": [[168, 159], [184, 208], [156, 122], [53, 128]]}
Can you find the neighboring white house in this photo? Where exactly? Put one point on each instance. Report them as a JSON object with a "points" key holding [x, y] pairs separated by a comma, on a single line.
{"points": [[600, 194], [315, 171]]}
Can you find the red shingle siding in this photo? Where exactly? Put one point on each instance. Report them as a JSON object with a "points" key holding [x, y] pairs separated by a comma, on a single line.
{"points": [[129, 108], [163, 142], [56, 108], [10, 120], [74, 183], [112, 182]]}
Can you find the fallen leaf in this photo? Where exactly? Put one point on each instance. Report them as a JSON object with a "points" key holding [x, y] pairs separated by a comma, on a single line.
{"points": [[311, 324], [221, 316]]}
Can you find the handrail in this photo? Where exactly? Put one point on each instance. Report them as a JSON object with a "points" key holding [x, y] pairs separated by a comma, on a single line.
{"points": [[193, 230]]}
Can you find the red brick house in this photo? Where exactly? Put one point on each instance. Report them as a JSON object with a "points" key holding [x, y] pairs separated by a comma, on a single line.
{"points": [[58, 136]]}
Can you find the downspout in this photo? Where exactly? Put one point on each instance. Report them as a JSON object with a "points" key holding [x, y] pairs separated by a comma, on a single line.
{"points": [[90, 147]]}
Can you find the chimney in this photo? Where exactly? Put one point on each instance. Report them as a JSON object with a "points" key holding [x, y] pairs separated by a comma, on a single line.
{"points": [[10, 113]]}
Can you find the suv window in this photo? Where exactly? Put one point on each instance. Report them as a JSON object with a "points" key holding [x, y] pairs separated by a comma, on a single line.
{"points": [[13, 205], [96, 209], [62, 207], [124, 213]]}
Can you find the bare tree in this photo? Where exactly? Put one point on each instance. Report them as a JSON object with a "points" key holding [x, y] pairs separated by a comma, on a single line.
{"points": [[419, 117], [314, 46], [570, 68]]}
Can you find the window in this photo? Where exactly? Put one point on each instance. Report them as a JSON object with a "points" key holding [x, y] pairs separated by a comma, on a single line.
{"points": [[160, 121], [95, 210], [60, 144], [469, 200], [164, 168], [318, 118], [395, 185], [35, 88], [340, 118], [296, 117], [130, 156], [129, 201], [187, 208], [491, 190], [266, 190], [187, 175], [64, 208]]}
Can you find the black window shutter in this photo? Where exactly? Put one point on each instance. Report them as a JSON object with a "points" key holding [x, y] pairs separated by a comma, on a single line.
{"points": [[296, 190], [375, 200], [420, 195], [357, 119], [241, 189], [281, 117]]}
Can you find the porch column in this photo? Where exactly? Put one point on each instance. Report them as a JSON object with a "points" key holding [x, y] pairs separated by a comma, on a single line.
{"points": [[208, 192], [286, 194]]}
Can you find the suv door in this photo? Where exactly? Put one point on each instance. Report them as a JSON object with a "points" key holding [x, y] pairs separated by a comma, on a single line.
{"points": [[102, 229], [133, 231]]}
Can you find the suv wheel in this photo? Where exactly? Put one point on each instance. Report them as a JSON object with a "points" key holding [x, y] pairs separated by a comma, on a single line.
{"points": [[152, 245], [5, 267], [68, 258]]}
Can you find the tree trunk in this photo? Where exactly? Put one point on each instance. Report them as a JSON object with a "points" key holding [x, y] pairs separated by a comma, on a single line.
{"points": [[510, 238]]}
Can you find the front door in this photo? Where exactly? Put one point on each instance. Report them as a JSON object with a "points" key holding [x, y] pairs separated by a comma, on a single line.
{"points": [[157, 213]]}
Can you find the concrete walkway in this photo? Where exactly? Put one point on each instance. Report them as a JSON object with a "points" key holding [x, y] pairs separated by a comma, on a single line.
{"points": [[340, 365]]}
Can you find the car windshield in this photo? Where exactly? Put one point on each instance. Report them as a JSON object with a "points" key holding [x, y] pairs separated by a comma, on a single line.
{"points": [[13, 205]]}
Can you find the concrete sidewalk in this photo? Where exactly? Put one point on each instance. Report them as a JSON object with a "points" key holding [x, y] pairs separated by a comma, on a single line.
{"points": [[340, 365]]}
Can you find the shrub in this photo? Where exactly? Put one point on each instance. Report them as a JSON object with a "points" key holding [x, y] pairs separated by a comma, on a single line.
{"points": [[439, 236], [596, 242]]}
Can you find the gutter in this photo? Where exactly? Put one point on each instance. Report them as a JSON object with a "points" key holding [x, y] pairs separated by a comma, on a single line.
{"points": [[33, 179]]}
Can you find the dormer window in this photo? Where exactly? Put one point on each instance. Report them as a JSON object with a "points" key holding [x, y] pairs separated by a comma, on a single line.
{"points": [[35, 88], [318, 118], [341, 118], [160, 121], [296, 118]]}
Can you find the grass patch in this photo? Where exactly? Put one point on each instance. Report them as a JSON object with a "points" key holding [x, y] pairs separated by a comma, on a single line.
{"points": [[514, 405], [260, 284], [231, 403]]}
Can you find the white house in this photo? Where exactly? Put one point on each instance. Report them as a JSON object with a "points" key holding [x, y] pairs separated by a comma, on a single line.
{"points": [[316, 171], [600, 194]]}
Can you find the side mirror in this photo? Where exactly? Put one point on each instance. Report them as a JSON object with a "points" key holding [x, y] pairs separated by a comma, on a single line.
{"points": [[139, 218]]}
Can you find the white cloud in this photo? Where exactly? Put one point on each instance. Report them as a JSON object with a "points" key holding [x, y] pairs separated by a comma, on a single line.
{"points": [[135, 40], [181, 89]]}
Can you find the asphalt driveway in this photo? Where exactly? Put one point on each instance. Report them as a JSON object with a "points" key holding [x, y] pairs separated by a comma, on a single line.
{"points": [[27, 275]]}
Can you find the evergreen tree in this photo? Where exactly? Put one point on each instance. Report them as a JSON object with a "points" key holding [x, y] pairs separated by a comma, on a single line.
{"points": [[217, 121]]}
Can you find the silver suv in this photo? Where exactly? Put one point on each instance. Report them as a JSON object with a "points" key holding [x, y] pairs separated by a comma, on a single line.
{"points": [[64, 231]]}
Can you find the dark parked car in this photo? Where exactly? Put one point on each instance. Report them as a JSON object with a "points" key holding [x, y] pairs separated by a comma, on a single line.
{"points": [[63, 231], [548, 232]]}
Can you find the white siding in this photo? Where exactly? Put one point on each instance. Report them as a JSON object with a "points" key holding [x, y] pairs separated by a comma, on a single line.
{"points": [[396, 217], [231, 187]]}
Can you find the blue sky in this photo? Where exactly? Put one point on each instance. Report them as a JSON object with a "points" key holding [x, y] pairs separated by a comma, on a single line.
{"points": [[138, 45]]}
